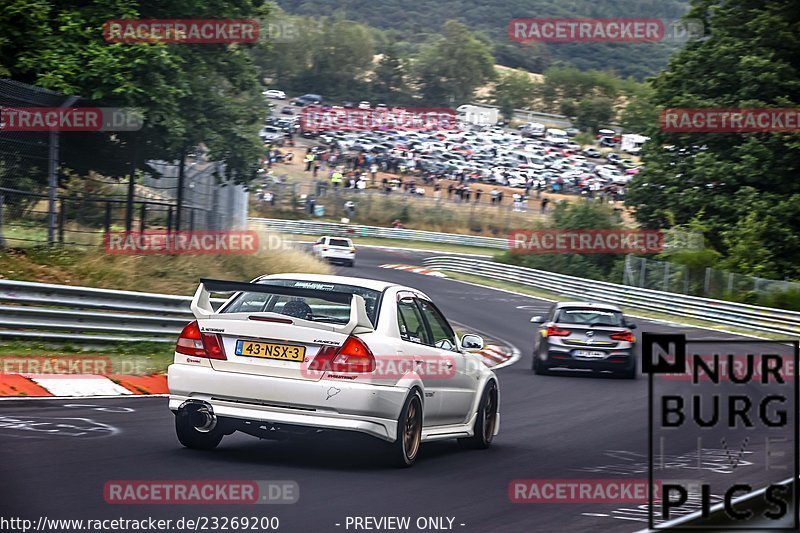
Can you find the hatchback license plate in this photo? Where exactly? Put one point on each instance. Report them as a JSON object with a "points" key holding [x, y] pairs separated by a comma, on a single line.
{"points": [[267, 350], [587, 353]]}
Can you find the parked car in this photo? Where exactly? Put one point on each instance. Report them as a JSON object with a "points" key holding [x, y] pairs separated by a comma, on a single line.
{"points": [[307, 99], [274, 93]]}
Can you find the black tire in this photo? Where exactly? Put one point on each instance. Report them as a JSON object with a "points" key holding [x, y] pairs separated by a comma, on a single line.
{"points": [[190, 437], [405, 449], [540, 368], [486, 422]]}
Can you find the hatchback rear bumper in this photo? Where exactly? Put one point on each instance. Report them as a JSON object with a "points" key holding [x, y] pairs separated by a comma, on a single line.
{"points": [[615, 360]]}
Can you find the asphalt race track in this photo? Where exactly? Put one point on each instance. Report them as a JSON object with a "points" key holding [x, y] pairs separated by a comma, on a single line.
{"points": [[560, 426]]}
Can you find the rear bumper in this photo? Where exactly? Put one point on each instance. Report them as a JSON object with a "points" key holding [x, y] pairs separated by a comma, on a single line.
{"points": [[338, 258], [324, 404], [618, 360]]}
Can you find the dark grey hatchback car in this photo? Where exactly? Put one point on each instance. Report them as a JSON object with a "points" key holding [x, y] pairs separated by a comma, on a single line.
{"points": [[585, 335]]}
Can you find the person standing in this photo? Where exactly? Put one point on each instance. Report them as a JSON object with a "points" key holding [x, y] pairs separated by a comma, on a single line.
{"points": [[309, 160], [544, 203], [336, 179]]}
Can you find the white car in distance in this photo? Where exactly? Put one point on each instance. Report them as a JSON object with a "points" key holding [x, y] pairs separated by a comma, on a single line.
{"points": [[300, 353], [274, 94], [335, 250]]}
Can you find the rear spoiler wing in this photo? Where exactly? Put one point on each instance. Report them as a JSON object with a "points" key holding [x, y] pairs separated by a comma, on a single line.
{"points": [[359, 320]]}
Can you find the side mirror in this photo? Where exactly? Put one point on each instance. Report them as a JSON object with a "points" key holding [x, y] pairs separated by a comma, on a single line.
{"points": [[631, 325], [471, 342], [537, 319]]}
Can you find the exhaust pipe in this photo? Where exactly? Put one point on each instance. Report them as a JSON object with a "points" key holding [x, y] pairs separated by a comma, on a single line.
{"points": [[201, 414]]}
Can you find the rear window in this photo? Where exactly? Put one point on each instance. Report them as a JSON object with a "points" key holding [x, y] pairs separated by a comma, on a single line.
{"points": [[316, 308], [340, 242], [590, 317]]}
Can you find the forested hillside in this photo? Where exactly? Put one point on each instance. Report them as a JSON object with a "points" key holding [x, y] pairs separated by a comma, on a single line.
{"points": [[413, 22]]}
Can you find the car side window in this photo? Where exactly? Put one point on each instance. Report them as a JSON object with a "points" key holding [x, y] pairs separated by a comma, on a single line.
{"points": [[409, 320], [443, 335]]}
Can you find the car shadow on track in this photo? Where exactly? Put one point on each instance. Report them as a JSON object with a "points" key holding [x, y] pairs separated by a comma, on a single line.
{"points": [[325, 451]]}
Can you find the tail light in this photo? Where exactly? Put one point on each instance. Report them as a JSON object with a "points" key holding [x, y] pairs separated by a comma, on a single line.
{"points": [[198, 344], [625, 336], [352, 356], [555, 331]]}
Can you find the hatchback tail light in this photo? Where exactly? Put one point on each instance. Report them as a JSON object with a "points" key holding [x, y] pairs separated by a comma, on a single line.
{"points": [[352, 356], [625, 336], [555, 331], [198, 344]]}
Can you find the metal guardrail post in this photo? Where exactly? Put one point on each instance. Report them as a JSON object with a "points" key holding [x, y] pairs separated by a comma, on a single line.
{"points": [[142, 217], [2, 209], [61, 216]]}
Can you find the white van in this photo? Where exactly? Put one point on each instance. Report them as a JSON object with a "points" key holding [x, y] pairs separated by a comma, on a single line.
{"points": [[528, 159], [555, 136], [533, 129]]}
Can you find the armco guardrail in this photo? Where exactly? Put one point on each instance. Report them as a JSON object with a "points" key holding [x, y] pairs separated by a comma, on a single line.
{"points": [[310, 227], [82, 314], [748, 317]]}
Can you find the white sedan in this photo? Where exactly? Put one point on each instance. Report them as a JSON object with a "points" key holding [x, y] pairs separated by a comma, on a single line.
{"points": [[274, 93], [299, 353]]}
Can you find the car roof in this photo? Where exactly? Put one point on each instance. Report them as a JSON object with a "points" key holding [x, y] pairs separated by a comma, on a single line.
{"points": [[346, 280], [593, 305]]}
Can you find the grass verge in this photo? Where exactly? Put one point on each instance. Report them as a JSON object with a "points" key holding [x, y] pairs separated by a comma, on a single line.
{"points": [[163, 274], [140, 358]]}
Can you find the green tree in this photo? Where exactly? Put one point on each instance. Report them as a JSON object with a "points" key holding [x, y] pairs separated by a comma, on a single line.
{"points": [[516, 88], [593, 111], [735, 179], [389, 81], [640, 113], [189, 94], [449, 69]]}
